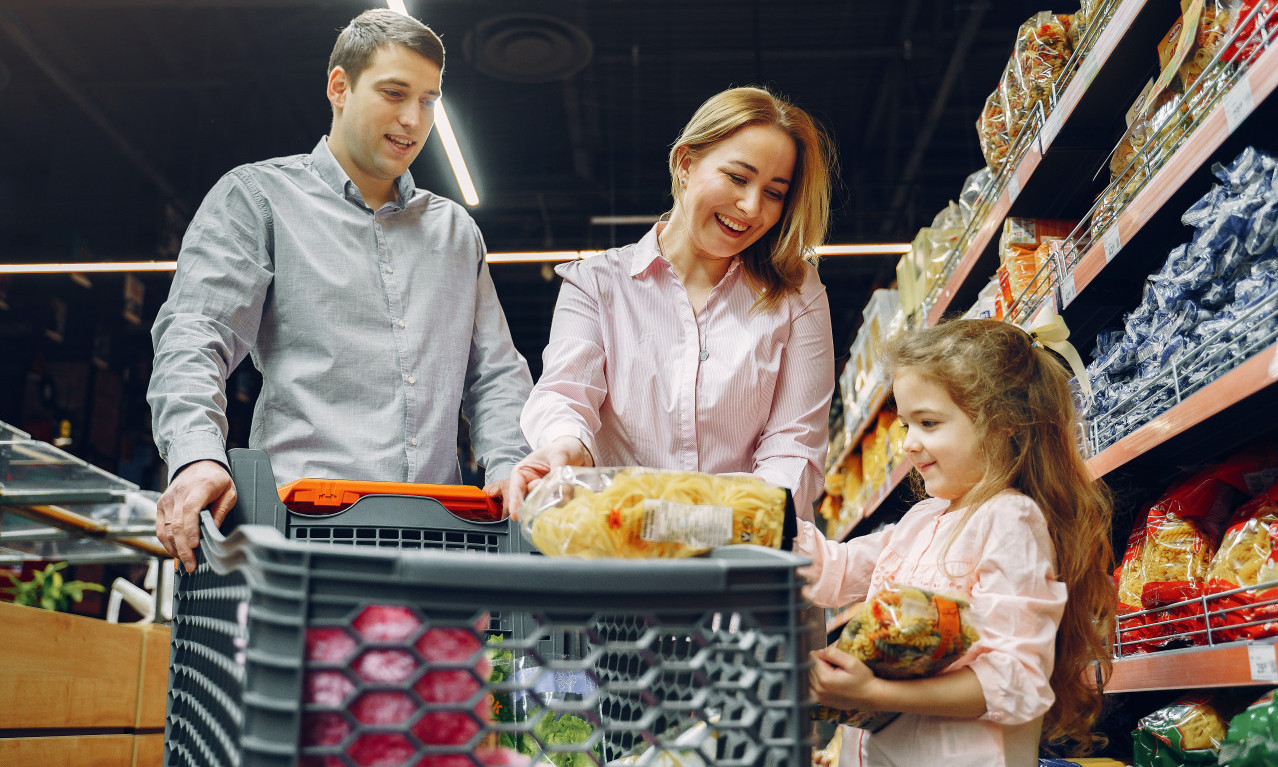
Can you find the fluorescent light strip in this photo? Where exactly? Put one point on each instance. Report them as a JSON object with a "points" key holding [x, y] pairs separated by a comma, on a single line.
{"points": [[88, 268], [866, 249], [444, 127], [445, 130], [513, 257]]}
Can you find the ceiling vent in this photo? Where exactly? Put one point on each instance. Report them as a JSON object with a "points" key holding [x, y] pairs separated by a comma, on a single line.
{"points": [[528, 48]]}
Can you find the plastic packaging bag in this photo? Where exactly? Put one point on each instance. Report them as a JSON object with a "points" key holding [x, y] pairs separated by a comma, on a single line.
{"points": [[1042, 48], [991, 128], [1243, 554], [1252, 740], [1187, 732], [635, 513], [902, 633]]}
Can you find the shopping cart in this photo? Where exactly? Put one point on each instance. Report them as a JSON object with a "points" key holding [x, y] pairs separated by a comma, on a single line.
{"points": [[289, 650]]}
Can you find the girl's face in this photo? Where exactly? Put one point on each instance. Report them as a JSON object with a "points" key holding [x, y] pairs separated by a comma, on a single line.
{"points": [[941, 441], [735, 192]]}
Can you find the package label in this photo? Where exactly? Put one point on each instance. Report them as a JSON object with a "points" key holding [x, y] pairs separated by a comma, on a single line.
{"points": [[700, 526]]}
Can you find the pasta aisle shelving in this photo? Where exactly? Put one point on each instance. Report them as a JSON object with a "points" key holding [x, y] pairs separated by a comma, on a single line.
{"points": [[1102, 275]]}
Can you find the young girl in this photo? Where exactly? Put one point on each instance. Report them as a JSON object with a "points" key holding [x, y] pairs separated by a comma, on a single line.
{"points": [[1015, 524]]}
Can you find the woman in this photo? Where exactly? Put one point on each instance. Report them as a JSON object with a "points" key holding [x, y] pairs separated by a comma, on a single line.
{"points": [[706, 345]]}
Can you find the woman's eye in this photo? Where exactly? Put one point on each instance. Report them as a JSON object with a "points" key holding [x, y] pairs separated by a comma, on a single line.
{"points": [[927, 424], [736, 179], [778, 196]]}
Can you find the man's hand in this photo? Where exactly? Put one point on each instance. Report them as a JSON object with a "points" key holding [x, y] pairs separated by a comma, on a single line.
{"points": [[198, 486], [841, 681], [497, 490], [564, 451]]}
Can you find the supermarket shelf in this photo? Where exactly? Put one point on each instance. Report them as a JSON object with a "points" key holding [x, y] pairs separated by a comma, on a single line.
{"points": [[1254, 375], [854, 441], [1085, 86], [894, 480], [1253, 87], [1228, 665]]}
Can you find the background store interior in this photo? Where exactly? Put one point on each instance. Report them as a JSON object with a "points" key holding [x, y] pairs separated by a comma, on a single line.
{"points": [[116, 117]]}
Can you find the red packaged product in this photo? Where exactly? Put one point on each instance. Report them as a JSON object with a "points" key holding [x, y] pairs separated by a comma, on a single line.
{"points": [[1244, 559]]}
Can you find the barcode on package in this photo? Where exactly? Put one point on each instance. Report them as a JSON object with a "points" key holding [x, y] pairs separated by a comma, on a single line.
{"points": [[700, 526]]}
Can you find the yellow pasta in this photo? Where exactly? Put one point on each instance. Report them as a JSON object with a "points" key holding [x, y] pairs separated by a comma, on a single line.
{"points": [[644, 514]]}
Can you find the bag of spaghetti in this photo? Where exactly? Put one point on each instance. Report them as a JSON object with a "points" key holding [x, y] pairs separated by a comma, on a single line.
{"points": [[1243, 555], [902, 633], [635, 513]]}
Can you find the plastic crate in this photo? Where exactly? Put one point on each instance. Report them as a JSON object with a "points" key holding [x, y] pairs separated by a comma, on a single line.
{"points": [[669, 648]]}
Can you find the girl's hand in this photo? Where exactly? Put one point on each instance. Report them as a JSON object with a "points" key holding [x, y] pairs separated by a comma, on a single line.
{"points": [[841, 681]]}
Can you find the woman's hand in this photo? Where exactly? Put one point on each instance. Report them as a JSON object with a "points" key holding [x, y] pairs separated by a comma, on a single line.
{"points": [[841, 681], [563, 451]]}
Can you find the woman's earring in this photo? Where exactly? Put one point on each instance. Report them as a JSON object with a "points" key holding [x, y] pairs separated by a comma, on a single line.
{"points": [[683, 182]]}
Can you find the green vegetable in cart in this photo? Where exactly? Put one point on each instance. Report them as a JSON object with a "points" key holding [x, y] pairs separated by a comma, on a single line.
{"points": [[1253, 735]]}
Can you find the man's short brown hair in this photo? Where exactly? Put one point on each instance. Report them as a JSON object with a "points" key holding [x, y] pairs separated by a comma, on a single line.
{"points": [[380, 27]]}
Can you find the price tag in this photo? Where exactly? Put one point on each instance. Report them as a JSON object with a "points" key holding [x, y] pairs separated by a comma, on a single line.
{"points": [[1051, 127], [1068, 291], [1087, 72], [1264, 667], [1112, 242], [1238, 103], [1013, 189]]}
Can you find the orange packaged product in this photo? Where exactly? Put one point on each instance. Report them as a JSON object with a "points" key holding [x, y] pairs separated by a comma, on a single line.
{"points": [[991, 129], [1043, 47], [1129, 579]]}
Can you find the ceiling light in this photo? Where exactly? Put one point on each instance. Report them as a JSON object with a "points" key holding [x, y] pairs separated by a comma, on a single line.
{"points": [[644, 220], [455, 159], [540, 256], [86, 268], [865, 249], [444, 128]]}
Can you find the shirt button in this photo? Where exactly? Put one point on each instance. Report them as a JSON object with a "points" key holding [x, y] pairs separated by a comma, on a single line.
{"points": [[390, 270], [413, 441], [400, 323], [704, 355], [411, 380]]}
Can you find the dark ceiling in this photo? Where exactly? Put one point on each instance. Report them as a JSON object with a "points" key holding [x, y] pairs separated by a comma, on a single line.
{"points": [[116, 116]]}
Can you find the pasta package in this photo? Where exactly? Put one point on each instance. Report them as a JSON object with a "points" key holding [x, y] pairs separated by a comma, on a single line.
{"points": [[1252, 740], [635, 513], [1134, 633], [1043, 47], [902, 633], [1242, 560], [991, 128], [1187, 732]]}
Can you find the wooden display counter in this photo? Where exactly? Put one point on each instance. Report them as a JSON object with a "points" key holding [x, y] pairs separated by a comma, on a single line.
{"points": [[79, 691]]}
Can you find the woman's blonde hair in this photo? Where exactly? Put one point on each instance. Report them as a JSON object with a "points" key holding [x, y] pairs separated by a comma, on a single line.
{"points": [[775, 262], [1017, 395]]}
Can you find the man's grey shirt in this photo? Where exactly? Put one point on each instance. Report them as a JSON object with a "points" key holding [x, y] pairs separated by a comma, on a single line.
{"points": [[373, 331]]}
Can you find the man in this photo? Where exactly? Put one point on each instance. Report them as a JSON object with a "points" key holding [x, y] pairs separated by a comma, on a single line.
{"points": [[366, 304]]}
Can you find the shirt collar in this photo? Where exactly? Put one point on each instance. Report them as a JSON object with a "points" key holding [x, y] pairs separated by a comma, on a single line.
{"points": [[335, 176], [647, 252]]}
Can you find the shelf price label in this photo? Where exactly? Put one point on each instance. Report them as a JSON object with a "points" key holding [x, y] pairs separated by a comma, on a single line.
{"points": [[1112, 242], [1051, 127], [1068, 291], [1264, 666], [1013, 188], [1238, 103]]}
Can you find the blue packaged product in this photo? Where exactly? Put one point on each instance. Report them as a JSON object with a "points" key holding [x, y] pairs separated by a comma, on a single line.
{"points": [[1105, 340], [1216, 294], [1249, 164], [1254, 288], [1264, 227], [1205, 209]]}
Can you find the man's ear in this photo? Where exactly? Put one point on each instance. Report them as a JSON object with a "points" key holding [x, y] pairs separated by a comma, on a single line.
{"points": [[338, 87]]}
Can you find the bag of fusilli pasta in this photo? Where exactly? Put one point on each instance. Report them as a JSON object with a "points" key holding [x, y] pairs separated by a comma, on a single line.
{"points": [[635, 513], [902, 633]]}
